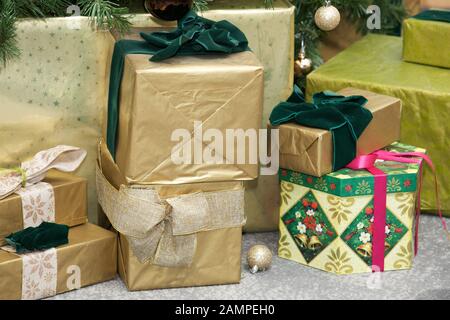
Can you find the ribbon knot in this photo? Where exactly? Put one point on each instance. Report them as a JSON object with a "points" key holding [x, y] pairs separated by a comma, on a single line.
{"points": [[63, 158], [163, 231], [367, 162], [345, 117]]}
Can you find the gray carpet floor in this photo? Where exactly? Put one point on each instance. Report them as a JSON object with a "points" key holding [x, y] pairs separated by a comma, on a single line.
{"points": [[429, 278]]}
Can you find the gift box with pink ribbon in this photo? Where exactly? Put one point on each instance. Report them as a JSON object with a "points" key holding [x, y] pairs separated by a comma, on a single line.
{"points": [[361, 218]]}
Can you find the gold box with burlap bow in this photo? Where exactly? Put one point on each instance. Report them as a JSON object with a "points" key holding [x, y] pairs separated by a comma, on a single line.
{"points": [[173, 236]]}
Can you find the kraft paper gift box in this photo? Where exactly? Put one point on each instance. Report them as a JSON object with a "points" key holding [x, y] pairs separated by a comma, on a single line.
{"points": [[70, 205], [375, 64], [426, 40], [90, 257], [219, 92], [326, 222], [310, 150], [270, 33], [173, 235]]}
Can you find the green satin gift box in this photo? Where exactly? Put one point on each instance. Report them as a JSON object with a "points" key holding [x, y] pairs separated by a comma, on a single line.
{"points": [[375, 64], [426, 38]]}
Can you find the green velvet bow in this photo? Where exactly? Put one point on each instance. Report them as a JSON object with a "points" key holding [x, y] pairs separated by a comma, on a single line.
{"points": [[434, 15], [194, 35], [345, 117], [47, 235]]}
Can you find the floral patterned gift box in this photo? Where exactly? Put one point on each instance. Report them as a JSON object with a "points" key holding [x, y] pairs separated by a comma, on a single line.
{"points": [[327, 222]]}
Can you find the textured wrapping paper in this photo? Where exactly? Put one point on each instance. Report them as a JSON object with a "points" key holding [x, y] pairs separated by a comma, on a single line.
{"points": [[271, 37], [426, 42], [55, 93], [310, 150], [217, 252], [156, 98], [217, 261], [326, 222], [70, 195], [375, 64], [91, 249]]}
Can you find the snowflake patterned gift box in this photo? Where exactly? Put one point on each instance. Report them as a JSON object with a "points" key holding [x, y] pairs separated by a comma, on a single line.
{"points": [[61, 199], [327, 222], [90, 257]]}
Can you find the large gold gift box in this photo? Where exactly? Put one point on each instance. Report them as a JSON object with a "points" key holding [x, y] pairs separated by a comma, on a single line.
{"points": [[217, 252], [221, 92], [91, 254], [70, 193], [310, 150], [270, 32], [217, 261]]}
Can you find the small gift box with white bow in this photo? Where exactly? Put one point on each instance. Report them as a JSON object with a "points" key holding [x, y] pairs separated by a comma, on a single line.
{"points": [[357, 219], [43, 189], [173, 235]]}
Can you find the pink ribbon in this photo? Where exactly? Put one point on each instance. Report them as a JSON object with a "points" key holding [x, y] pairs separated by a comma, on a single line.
{"points": [[367, 162]]}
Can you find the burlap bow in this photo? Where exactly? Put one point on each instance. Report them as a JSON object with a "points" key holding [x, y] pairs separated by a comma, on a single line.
{"points": [[63, 158], [164, 231]]}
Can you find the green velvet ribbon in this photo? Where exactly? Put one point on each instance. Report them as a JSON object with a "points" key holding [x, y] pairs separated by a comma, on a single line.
{"points": [[345, 117], [47, 235], [194, 35], [434, 15]]}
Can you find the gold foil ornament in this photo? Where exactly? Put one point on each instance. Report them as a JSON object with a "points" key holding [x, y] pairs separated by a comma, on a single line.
{"points": [[259, 258], [327, 17], [303, 65], [302, 240]]}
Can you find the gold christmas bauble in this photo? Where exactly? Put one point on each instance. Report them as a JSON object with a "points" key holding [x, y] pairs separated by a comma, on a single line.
{"points": [[303, 66], [259, 258], [327, 17]]}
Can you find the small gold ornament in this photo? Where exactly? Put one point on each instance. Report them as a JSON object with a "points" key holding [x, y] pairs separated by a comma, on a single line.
{"points": [[327, 17], [303, 65], [259, 258]]}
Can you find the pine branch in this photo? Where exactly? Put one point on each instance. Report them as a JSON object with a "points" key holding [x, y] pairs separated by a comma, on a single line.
{"points": [[9, 49], [105, 14]]}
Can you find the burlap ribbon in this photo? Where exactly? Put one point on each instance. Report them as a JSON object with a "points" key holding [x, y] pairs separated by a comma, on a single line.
{"points": [[164, 231], [63, 158]]}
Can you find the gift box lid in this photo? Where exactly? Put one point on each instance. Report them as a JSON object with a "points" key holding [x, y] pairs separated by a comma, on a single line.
{"points": [[402, 177]]}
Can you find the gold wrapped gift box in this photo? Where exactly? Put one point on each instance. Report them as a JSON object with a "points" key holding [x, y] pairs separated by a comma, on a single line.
{"points": [[70, 204], [375, 64], [310, 150], [217, 261], [270, 33], [91, 249], [216, 257], [222, 92], [426, 42]]}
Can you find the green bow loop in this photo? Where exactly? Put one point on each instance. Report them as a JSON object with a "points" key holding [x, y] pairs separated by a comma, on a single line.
{"points": [[47, 235], [345, 117], [194, 35], [434, 15]]}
